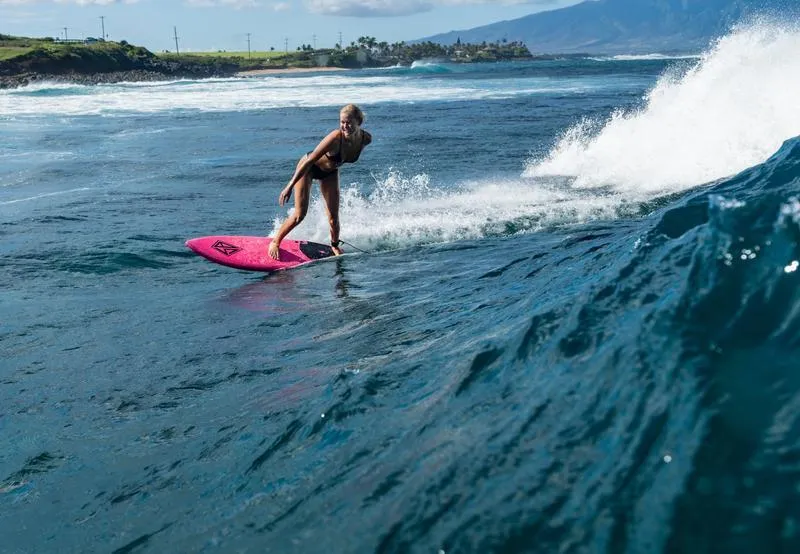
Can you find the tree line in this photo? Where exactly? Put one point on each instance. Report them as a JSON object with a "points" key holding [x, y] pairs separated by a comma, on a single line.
{"points": [[383, 53]]}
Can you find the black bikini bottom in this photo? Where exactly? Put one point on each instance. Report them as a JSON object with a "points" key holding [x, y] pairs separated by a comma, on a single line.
{"points": [[318, 173]]}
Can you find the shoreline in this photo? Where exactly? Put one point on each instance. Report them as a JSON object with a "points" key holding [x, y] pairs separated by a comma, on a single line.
{"points": [[136, 75], [285, 70]]}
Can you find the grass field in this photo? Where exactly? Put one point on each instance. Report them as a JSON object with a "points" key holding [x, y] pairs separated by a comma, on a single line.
{"points": [[8, 52], [264, 55], [109, 54], [11, 48]]}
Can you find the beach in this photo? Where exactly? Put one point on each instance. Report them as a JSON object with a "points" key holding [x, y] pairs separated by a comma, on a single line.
{"points": [[289, 70]]}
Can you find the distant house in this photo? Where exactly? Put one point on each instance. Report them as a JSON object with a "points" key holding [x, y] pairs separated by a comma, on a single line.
{"points": [[87, 40]]}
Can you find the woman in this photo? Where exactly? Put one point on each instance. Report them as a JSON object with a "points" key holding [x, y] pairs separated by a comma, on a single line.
{"points": [[344, 145]]}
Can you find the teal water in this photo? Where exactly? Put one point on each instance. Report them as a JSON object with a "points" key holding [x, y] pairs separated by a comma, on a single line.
{"points": [[575, 330]]}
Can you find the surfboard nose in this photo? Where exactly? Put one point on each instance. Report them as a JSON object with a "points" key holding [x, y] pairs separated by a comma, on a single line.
{"points": [[192, 244]]}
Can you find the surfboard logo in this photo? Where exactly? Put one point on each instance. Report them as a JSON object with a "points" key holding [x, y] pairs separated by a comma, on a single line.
{"points": [[225, 248]]}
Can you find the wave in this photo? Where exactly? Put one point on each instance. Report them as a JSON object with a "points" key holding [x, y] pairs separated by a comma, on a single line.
{"points": [[264, 95], [715, 284], [644, 57], [275, 92], [729, 111], [43, 195], [431, 66], [656, 357], [405, 211], [100, 262], [50, 89], [420, 68], [658, 360]]}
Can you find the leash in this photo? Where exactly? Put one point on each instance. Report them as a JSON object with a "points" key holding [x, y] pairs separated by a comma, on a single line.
{"points": [[352, 246]]}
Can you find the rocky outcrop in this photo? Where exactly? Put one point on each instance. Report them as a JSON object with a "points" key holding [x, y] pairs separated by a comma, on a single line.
{"points": [[107, 65]]}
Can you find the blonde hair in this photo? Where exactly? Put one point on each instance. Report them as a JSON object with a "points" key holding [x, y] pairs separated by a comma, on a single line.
{"points": [[355, 112]]}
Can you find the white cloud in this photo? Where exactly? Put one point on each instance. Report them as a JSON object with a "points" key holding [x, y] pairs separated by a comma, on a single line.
{"points": [[236, 4], [78, 2], [390, 8], [95, 2], [368, 8]]}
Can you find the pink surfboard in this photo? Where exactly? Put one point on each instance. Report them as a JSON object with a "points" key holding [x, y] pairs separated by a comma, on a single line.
{"points": [[251, 253]]}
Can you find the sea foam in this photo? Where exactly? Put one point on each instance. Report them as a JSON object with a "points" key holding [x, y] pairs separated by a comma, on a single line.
{"points": [[254, 94], [728, 112], [407, 210]]}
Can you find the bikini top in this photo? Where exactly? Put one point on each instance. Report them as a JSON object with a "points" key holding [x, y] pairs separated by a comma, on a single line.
{"points": [[337, 158]]}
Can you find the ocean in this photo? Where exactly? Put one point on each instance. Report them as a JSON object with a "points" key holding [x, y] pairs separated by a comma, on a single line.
{"points": [[574, 326]]}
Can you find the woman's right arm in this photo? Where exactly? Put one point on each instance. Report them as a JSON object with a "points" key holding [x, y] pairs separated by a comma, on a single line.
{"points": [[309, 160]]}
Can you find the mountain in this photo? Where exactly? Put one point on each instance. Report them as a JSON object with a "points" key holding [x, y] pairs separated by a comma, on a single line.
{"points": [[623, 26]]}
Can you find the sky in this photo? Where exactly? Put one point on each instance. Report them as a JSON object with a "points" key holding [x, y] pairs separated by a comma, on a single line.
{"points": [[211, 25]]}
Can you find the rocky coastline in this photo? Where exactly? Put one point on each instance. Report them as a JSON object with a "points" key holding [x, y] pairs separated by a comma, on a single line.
{"points": [[132, 75], [111, 65], [103, 62]]}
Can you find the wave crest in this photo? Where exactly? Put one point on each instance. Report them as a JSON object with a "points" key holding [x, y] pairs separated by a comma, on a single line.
{"points": [[728, 112]]}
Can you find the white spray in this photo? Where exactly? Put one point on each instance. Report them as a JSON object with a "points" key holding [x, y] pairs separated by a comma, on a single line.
{"points": [[729, 112]]}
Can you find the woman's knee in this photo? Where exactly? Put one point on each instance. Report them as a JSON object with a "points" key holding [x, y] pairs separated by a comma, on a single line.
{"points": [[298, 216]]}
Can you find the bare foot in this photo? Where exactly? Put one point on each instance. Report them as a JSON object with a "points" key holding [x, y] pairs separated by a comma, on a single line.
{"points": [[274, 250], [337, 251]]}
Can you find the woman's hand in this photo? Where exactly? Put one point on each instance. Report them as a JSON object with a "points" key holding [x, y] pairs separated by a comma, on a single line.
{"points": [[285, 195]]}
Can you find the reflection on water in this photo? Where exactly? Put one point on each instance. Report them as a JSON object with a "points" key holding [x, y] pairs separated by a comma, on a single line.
{"points": [[289, 291]]}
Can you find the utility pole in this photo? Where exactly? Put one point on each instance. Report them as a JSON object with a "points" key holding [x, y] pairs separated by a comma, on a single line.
{"points": [[175, 31], [248, 46], [103, 27], [314, 37], [340, 40], [66, 38], [286, 45]]}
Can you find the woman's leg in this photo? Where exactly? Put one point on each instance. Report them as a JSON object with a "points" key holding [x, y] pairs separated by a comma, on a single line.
{"points": [[302, 192], [329, 187]]}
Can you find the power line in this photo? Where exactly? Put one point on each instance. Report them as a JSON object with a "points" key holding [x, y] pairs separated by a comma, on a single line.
{"points": [[175, 31]]}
